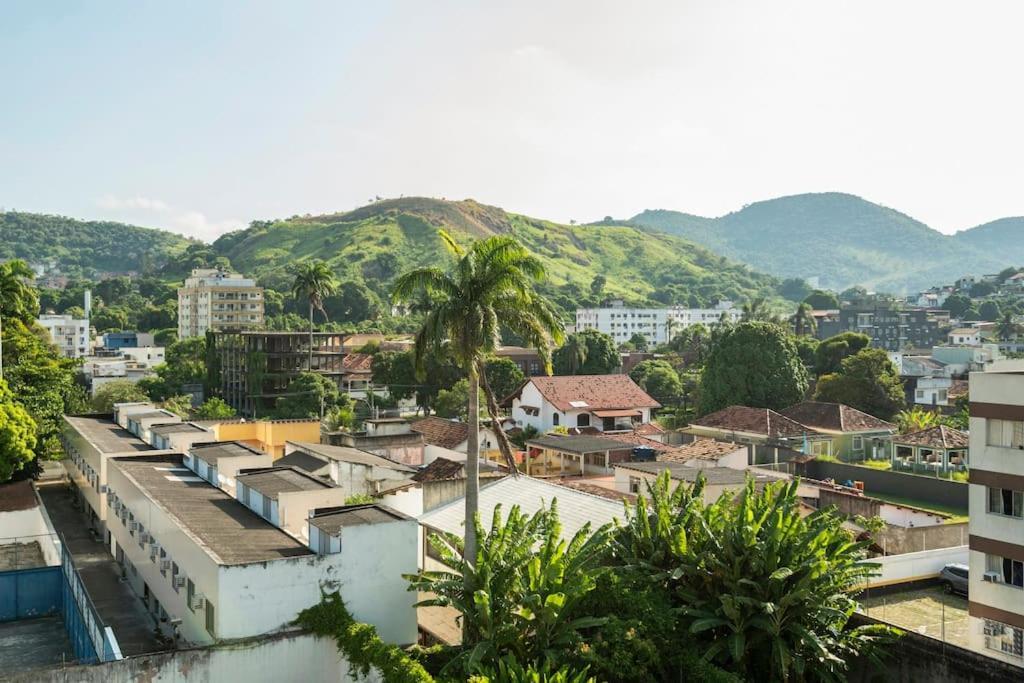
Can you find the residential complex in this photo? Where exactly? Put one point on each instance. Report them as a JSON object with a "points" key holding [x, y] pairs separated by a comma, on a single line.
{"points": [[996, 591], [214, 299], [893, 329], [70, 335], [658, 325]]}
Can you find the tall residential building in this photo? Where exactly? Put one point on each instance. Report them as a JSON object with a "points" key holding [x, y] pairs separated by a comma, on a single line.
{"points": [[658, 325], [71, 335], [218, 300], [996, 592], [893, 329]]}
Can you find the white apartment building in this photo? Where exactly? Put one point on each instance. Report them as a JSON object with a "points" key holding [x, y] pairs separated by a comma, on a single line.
{"points": [[211, 568], [658, 325], [996, 606], [70, 335], [213, 299]]}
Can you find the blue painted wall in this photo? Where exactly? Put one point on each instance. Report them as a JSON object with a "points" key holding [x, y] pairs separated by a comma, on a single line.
{"points": [[27, 593]]}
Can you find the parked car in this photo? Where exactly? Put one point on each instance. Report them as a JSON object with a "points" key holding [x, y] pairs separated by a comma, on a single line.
{"points": [[953, 578]]}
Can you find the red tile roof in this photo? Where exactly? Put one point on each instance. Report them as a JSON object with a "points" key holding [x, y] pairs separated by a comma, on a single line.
{"points": [[763, 421], [357, 362], [439, 431], [836, 417], [701, 449], [648, 428], [592, 392], [593, 489], [939, 437]]}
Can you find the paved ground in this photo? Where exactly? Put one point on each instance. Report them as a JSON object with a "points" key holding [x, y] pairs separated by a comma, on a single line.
{"points": [[21, 556], [32, 643], [928, 611], [118, 605]]}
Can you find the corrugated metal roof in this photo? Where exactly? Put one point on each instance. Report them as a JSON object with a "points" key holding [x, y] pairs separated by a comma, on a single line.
{"points": [[574, 507]]}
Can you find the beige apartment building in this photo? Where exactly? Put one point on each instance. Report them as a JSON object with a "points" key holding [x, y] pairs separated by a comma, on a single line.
{"points": [[218, 300], [996, 501]]}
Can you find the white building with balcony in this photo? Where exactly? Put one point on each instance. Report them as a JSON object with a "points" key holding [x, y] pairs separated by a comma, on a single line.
{"points": [[214, 299], [658, 325], [70, 335]]}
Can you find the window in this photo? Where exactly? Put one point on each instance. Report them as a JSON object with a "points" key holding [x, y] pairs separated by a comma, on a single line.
{"points": [[555, 419], [174, 577], [210, 619], [1011, 571], [634, 485], [1005, 433], [583, 420], [858, 443], [266, 507], [1006, 502], [190, 592], [1002, 638]]}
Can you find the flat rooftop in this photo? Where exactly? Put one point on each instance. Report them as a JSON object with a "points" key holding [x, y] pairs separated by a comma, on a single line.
{"points": [[581, 444], [271, 483], [355, 515], [353, 455], [229, 531], [136, 417], [106, 435], [223, 449], [176, 428]]}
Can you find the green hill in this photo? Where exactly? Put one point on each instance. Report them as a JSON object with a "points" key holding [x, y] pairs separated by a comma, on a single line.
{"points": [[1004, 237], [84, 248], [374, 243], [840, 238]]}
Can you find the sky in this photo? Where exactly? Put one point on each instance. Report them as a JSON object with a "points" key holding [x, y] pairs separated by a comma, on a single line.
{"points": [[200, 116]]}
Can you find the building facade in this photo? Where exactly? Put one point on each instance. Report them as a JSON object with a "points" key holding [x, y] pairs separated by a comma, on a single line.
{"points": [[996, 501], [70, 335], [214, 299], [892, 329], [658, 325]]}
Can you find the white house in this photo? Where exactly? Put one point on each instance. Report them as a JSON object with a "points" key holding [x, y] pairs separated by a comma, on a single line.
{"points": [[965, 336], [598, 403], [939, 391]]}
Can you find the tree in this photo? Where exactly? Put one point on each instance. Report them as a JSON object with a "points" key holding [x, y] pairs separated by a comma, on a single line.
{"points": [[341, 418], [981, 289], [451, 403], [351, 302], [756, 310], [867, 381], [637, 342], [491, 286], [309, 395], [108, 319], [397, 371], [807, 348], [956, 304], [659, 379], [753, 364], [504, 376], [989, 311], [831, 352], [18, 298], [916, 419], [313, 282], [600, 358], [803, 321], [17, 434], [692, 343], [794, 289], [184, 363], [1006, 329], [822, 300], [529, 584], [179, 405], [597, 285], [214, 408], [118, 391]]}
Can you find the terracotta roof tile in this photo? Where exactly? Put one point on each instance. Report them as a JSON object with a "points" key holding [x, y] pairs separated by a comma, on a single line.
{"points": [[357, 362], [440, 469], [763, 421], [940, 436], [836, 417], [439, 431], [701, 449], [595, 392], [594, 489], [648, 428]]}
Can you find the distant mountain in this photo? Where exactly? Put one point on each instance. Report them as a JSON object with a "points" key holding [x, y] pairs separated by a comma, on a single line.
{"points": [[845, 240], [372, 244], [84, 248]]}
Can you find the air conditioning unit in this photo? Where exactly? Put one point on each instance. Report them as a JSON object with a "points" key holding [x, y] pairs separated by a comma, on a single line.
{"points": [[144, 537], [156, 544], [992, 577], [165, 565], [103, 488], [179, 581], [197, 601], [133, 526]]}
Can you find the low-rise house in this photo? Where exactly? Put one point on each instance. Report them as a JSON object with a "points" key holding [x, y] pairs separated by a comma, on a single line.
{"points": [[352, 470], [139, 423], [939, 391], [453, 435], [703, 453], [607, 403], [772, 437], [527, 359], [634, 477], [269, 436], [444, 480], [220, 462], [357, 374], [178, 436], [285, 496], [584, 454], [391, 437], [851, 434], [936, 449], [965, 336]]}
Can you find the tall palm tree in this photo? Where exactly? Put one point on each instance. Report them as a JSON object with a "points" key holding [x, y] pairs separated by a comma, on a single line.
{"points": [[576, 353], [755, 309], [314, 282], [803, 320], [17, 297], [1006, 329], [490, 286]]}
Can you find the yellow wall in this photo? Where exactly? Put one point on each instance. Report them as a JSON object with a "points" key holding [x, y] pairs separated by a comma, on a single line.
{"points": [[269, 435]]}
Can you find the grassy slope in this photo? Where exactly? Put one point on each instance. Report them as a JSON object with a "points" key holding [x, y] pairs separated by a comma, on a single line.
{"points": [[629, 258]]}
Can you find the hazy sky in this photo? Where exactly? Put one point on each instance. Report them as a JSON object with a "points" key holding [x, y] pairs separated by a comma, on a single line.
{"points": [[201, 116]]}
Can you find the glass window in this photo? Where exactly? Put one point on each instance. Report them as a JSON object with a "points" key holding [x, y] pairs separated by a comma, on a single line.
{"points": [[583, 420], [190, 592], [1005, 433], [1006, 502], [858, 443], [1002, 638], [555, 419], [210, 619]]}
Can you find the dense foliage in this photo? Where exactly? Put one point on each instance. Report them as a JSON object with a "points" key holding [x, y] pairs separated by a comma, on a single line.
{"points": [[867, 381], [659, 379], [587, 352], [117, 391], [829, 355], [17, 434]]}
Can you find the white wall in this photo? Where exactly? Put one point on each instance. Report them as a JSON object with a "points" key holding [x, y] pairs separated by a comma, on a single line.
{"points": [[354, 477], [29, 526], [408, 500], [916, 566], [906, 517], [294, 507]]}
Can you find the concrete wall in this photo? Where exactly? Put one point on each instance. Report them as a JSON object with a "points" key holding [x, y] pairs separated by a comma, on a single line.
{"points": [[895, 540], [918, 566], [848, 504], [273, 658], [925, 489], [269, 435], [355, 477], [294, 507], [32, 525]]}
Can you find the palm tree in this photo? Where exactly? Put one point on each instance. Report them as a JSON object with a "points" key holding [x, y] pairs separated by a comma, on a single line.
{"points": [[803, 320], [315, 282], [17, 297], [489, 287], [757, 310], [1006, 329], [575, 348], [916, 419]]}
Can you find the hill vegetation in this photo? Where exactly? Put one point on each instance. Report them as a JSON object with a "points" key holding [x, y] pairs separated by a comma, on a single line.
{"points": [[844, 241]]}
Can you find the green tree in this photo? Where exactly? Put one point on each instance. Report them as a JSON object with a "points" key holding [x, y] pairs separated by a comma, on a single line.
{"points": [[491, 286], [17, 434], [352, 302], [916, 419], [989, 311], [692, 343], [397, 371], [830, 353], [756, 310], [118, 391], [214, 408], [867, 381], [981, 289], [659, 379], [179, 405], [822, 300], [341, 418], [109, 319], [803, 321], [795, 289], [597, 285], [753, 364], [1006, 329], [528, 583], [601, 357], [807, 348], [309, 395], [18, 298], [638, 342], [451, 403], [313, 283], [957, 305], [184, 363], [504, 376]]}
